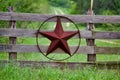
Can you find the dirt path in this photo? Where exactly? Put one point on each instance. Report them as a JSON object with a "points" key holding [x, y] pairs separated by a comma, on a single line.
{"points": [[59, 11]]}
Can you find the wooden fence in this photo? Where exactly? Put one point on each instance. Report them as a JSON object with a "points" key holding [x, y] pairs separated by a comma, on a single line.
{"points": [[90, 35]]}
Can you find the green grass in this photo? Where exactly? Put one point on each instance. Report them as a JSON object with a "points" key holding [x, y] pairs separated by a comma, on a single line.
{"points": [[11, 72]]}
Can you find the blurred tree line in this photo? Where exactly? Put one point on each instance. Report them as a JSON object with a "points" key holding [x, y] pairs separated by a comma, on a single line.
{"points": [[26, 6], [60, 3], [100, 7], [106, 7], [31, 6]]}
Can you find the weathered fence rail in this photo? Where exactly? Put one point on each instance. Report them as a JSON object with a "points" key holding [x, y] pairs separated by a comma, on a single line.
{"points": [[76, 18], [81, 50], [86, 34], [62, 65]]}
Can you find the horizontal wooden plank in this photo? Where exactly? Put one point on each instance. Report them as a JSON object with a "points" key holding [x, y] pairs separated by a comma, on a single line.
{"points": [[75, 18], [84, 34], [107, 50], [106, 35], [17, 32], [82, 49], [34, 48], [32, 33], [62, 65]]}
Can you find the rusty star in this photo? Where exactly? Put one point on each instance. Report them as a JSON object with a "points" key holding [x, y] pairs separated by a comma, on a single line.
{"points": [[58, 38]]}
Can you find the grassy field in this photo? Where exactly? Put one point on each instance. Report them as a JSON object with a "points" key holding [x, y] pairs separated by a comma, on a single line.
{"points": [[16, 73]]}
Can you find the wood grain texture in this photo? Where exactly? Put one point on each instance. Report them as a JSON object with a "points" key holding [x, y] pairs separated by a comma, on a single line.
{"points": [[106, 35], [84, 34], [12, 40], [107, 50], [81, 50], [75, 18], [90, 42], [63, 65], [32, 33], [34, 48]]}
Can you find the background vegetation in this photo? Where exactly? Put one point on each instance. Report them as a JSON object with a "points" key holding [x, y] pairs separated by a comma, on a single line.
{"points": [[17, 73], [100, 7]]}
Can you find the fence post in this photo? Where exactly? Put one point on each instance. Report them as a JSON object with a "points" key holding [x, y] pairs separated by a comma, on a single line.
{"points": [[90, 42], [12, 40]]}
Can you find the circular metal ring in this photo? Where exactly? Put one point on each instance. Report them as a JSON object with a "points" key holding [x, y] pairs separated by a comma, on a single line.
{"points": [[78, 32]]}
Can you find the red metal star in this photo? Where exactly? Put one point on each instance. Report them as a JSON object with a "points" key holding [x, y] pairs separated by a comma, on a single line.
{"points": [[58, 38]]}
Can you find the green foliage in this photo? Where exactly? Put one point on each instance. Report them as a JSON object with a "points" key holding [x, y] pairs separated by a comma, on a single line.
{"points": [[105, 5], [31, 6], [37, 6], [26, 6], [61, 3], [100, 7], [81, 6], [11, 72]]}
